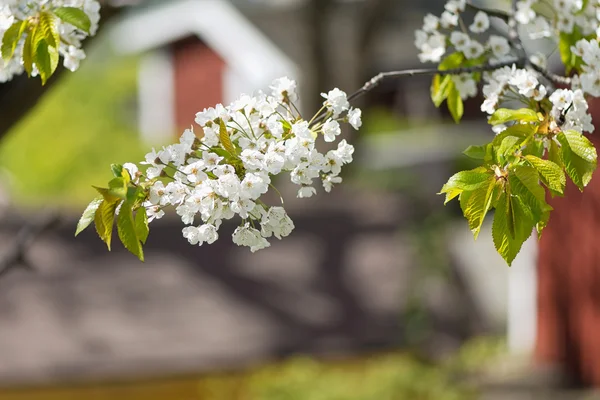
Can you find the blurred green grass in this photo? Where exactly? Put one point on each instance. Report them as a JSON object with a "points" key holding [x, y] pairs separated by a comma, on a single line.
{"points": [[86, 122], [387, 376]]}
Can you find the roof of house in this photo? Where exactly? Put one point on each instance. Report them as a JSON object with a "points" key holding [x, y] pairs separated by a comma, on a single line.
{"points": [[218, 23]]}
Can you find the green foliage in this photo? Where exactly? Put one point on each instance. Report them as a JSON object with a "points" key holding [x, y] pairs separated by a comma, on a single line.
{"points": [[579, 157], [11, 39], [443, 88], [121, 200], [518, 166], [84, 123], [74, 16], [42, 39], [88, 215], [129, 233], [565, 41]]}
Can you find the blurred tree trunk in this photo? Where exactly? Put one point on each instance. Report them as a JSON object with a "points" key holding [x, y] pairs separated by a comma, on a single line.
{"points": [[569, 282]]}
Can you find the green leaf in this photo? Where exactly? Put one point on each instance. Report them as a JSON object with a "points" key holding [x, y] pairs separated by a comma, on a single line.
{"points": [[74, 16], [478, 204], [522, 115], [47, 29], [141, 224], [580, 162], [507, 148], [226, 139], [565, 41], [46, 60], [11, 39], [440, 89], [465, 181], [535, 148], [28, 53], [550, 173], [555, 154], [511, 211], [521, 131], [117, 187], [88, 215], [126, 229], [442, 86], [581, 146], [525, 183], [104, 219], [455, 104], [117, 170], [477, 152], [452, 61]]}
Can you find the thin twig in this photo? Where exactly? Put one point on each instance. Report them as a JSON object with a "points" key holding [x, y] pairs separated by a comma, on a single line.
{"points": [[491, 12], [555, 78], [377, 79]]}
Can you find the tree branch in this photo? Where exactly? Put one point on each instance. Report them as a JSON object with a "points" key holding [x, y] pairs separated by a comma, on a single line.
{"points": [[25, 238], [491, 12], [554, 78], [377, 79]]}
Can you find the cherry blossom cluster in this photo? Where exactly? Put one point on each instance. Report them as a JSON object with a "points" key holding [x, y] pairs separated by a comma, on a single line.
{"points": [[227, 169], [451, 32], [71, 37]]}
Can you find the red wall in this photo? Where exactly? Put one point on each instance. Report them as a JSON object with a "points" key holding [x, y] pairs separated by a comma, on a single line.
{"points": [[198, 79]]}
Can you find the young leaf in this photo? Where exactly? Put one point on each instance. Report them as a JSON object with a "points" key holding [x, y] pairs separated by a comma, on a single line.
{"points": [[104, 219], [522, 115], [555, 154], [88, 215], [510, 211], [141, 224], [46, 60], [580, 160], [452, 61], [225, 139], [476, 152], [550, 173], [465, 181], [478, 204], [535, 148], [521, 131], [127, 231], [117, 187], [28, 54], [507, 148], [11, 39], [74, 16], [440, 89], [581, 146], [47, 29], [525, 183], [442, 86], [117, 170], [455, 104]]}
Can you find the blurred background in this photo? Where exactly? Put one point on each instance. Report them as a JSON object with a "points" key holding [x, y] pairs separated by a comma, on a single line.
{"points": [[380, 292]]}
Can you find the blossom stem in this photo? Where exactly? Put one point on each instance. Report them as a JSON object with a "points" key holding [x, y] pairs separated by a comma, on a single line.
{"points": [[377, 79]]}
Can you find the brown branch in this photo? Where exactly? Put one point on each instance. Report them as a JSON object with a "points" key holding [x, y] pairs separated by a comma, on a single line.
{"points": [[25, 238], [377, 79], [552, 77]]}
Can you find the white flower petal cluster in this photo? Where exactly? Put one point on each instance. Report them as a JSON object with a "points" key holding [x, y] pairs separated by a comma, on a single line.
{"points": [[523, 83], [71, 37], [244, 145], [571, 108], [570, 14]]}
